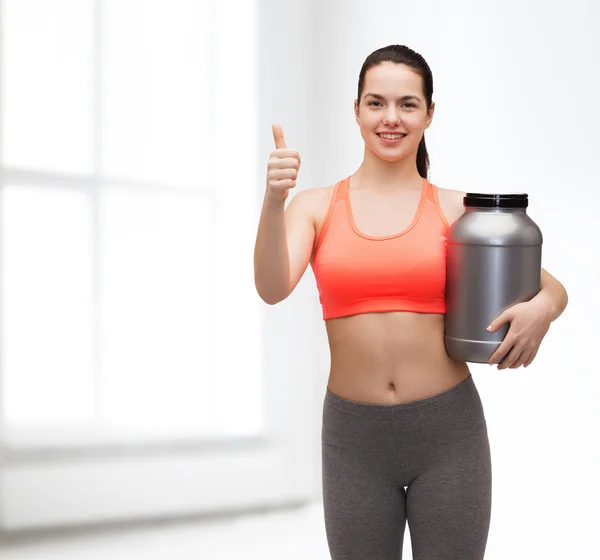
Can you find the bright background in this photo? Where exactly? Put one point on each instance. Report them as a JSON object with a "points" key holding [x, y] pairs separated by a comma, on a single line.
{"points": [[141, 375]]}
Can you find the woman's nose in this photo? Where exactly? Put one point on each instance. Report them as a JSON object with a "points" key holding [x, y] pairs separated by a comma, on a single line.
{"points": [[392, 116]]}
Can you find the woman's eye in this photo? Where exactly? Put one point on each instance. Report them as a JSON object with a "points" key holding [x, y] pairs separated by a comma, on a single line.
{"points": [[409, 104]]}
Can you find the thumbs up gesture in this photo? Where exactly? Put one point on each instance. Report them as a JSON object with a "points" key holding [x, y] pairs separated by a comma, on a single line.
{"points": [[282, 168]]}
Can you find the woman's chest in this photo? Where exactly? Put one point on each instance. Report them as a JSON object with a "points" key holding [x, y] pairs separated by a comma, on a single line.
{"points": [[383, 217]]}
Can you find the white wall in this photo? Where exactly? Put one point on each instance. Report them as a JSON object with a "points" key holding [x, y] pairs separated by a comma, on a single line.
{"points": [[516, 88], [113, 482]]}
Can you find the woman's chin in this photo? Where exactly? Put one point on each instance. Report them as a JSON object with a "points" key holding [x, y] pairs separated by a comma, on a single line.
{"points": [[388, 155]]}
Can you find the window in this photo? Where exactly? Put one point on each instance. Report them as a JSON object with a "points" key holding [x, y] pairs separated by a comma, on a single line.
{"points": [[127, 302]]}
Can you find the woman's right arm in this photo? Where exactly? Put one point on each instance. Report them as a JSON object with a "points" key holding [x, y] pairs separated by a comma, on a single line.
{"points": [[285, 237]]}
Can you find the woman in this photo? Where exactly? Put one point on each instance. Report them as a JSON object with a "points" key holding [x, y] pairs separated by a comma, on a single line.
{"points": [[404, 436]]}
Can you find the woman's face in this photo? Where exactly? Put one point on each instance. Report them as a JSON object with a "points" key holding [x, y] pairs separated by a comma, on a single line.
{"points": [[390, 111]]}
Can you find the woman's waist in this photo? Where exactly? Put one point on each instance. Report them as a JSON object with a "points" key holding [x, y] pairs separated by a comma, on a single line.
{"points": [[392, 361], [389, 341], [402, 375]]}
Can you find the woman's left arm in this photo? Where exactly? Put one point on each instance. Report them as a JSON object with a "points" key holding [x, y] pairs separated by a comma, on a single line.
{"points": [[552, 295]]}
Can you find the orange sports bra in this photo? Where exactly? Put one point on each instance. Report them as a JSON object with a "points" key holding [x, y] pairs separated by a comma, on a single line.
{"points": [[358, 273]]}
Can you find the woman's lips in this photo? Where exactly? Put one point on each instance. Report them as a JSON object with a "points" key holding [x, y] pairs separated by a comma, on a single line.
{"points": [[390, 142]]}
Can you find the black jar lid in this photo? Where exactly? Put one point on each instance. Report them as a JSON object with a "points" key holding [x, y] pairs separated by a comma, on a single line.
{"points": [[487, 200]]}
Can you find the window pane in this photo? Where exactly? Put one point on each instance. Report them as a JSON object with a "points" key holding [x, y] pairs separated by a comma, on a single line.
{"points": [[155, 67], [242, 382], [158, 307], [46, 302], [47, 84]]}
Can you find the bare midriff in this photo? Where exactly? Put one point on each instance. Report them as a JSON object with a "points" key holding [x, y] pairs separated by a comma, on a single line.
{"points": [[390, 358]]}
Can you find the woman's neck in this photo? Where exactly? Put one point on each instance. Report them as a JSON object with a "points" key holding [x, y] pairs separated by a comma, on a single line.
{"points": [[378, 174]]}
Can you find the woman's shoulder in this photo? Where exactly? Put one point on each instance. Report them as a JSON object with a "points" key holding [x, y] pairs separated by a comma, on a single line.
{"points": [[316, 196], [317, 199], [451, 202], [315, 202]]}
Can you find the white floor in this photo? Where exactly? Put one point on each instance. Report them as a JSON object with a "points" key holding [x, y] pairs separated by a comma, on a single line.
{"points": [[290, 534]]}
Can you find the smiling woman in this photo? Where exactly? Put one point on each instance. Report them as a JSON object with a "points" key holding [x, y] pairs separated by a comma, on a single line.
{"points": [[400, 416]]}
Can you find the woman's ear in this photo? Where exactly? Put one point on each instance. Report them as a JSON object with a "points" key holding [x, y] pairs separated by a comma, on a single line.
{"points": [[430, 115]]}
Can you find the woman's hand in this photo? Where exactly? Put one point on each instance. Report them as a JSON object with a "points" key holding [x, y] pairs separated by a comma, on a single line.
{"points": [[529, 323], [282, 168]]}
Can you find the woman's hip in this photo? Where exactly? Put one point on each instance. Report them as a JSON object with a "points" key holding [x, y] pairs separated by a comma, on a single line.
{"points": [[413, 435]]}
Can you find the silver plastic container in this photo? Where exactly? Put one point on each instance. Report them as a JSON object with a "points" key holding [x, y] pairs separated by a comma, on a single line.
{"points": [[494, 260]]}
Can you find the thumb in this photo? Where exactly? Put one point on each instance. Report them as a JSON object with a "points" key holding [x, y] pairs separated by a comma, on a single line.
{"points": [[278, 136]]}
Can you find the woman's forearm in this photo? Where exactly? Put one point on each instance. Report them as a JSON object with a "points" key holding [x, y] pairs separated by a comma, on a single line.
{"points": [[553, 295]]}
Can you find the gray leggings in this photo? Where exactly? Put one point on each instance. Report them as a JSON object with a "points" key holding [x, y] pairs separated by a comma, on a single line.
{"points": [[436, 447]]}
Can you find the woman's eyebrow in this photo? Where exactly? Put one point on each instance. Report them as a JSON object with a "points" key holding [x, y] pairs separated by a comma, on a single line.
{"points": [[403, 98]]}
